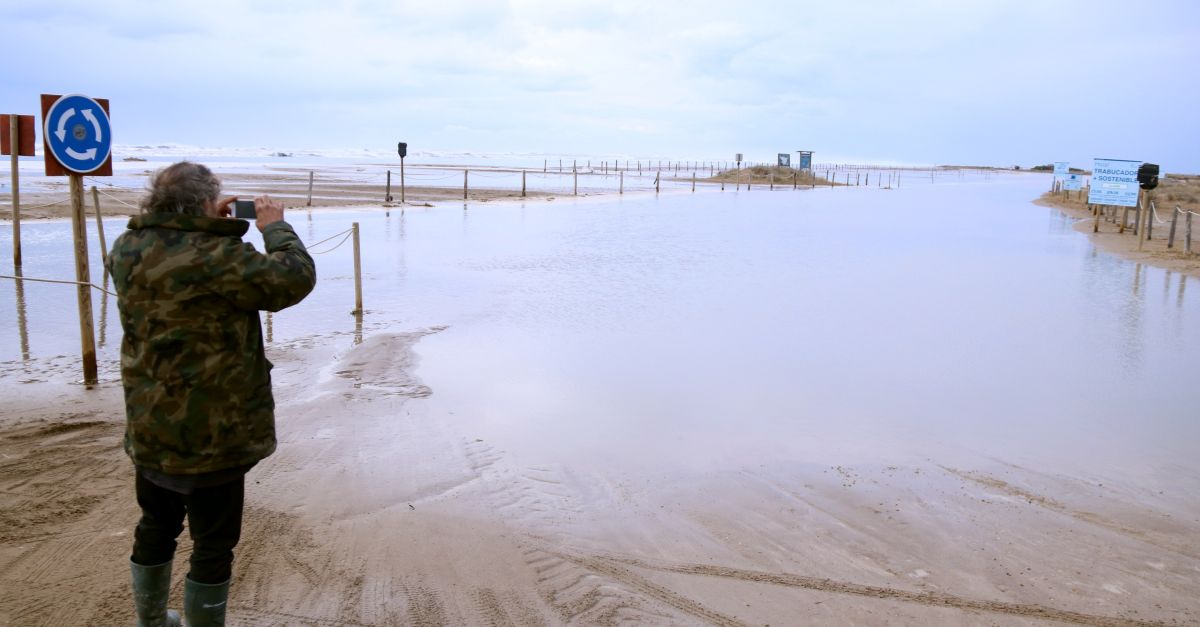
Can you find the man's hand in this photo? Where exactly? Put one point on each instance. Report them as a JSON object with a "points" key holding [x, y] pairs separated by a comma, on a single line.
{"points": [[223, 208], [268, 210]]}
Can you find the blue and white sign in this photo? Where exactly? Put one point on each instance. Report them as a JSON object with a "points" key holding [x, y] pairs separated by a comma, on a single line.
{"points": [[1073, 182], [78, 133], [1061, 168], [1114, 182]]}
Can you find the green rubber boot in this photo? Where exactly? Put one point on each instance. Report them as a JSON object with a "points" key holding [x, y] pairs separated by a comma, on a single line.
{"points": [[204, 604], [151, 585]]}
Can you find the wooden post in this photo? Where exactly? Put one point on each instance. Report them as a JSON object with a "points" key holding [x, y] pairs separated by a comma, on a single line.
{"points": [[22, 325], [656, 176], [387, 193], [1096, 224], [14, 144], [771, 178], [358, 307], [868, 179], [1137, 215], [464, 184], [1149, 217], [310, 182], [575, 189], [1174, 221], [1144, 233], [622, 182], [1124, 219], [693, 181], [795, 179], [402, 180], [545, 162], [100, 227], [1187, 240], [87, 331], [522, 183], [560, 166]]}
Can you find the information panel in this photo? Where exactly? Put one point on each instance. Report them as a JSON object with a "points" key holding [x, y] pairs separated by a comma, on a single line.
{"points": [[1073, 182], [1061, 168], [1114, 182]]}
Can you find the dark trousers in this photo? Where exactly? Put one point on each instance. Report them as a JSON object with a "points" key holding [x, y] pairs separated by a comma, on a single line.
{"points": [[214, 516]]}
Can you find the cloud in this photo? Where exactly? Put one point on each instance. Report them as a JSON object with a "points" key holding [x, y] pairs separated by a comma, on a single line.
{"points": [[927, 80]]}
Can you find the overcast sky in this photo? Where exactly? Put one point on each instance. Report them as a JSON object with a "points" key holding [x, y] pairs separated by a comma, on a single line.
{"points": [[966, 82]]}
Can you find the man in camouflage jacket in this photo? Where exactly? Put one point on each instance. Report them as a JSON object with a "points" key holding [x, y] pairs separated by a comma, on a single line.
{"points": [[199, 409]]}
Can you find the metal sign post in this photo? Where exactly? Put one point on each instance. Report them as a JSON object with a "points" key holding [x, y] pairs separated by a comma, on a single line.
{"points": [[78, 141], [402, 148]]}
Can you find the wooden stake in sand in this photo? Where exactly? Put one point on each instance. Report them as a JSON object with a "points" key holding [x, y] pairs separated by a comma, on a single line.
{"points": [[464, 184], [100, 228], [387, 193], [522, 183], [358, 306], [310, 182], [1174, 221], [1187, 240], [622, 188], [87, 331]]}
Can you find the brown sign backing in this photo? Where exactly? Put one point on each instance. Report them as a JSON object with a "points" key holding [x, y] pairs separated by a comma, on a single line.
{"points": [[53, 167], [25, 135]]}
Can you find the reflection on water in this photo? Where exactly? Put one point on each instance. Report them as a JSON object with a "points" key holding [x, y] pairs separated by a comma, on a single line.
{"points": [[748, 325]]}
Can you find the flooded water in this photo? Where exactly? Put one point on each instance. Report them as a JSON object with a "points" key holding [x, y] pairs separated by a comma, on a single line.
{"points": [[737, 328]]}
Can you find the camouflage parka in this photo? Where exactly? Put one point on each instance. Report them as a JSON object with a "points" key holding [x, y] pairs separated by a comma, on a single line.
{"points": [[197, 382]]}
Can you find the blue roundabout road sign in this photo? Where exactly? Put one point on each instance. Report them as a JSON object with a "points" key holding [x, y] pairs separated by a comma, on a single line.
{"points": [[78, 133]]}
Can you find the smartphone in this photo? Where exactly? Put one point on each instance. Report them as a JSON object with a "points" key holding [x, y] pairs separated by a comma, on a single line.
{"points": [[244, 209]]}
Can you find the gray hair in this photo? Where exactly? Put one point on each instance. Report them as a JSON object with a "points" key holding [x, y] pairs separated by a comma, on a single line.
{"points": [[181, 188]]}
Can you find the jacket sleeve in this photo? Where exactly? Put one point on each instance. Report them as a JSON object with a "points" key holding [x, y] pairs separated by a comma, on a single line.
{"points": [[277, 280]]}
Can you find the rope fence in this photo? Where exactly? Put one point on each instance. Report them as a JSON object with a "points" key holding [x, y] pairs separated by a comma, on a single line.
{"points": [[26, 278]]}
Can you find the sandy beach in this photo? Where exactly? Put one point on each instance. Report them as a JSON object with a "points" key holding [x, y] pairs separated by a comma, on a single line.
{"points": [[381, 507], [369, 514], [1108, 236]]}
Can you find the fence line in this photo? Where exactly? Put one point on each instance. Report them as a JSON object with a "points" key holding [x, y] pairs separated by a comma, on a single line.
{"points": [[598, 177], [26, 278]]}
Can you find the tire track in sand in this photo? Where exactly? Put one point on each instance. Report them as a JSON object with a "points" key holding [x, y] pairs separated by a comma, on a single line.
{"points": [[929, 599], [1048, 503], [577, 590]]}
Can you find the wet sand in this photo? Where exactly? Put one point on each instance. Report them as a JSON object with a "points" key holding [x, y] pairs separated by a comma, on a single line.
{"points": [[1110, 239], [373, 513]]}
